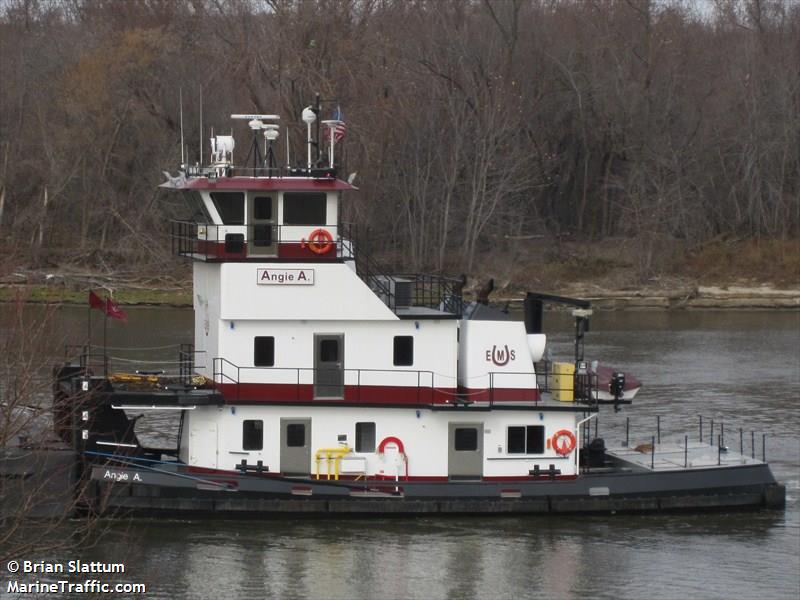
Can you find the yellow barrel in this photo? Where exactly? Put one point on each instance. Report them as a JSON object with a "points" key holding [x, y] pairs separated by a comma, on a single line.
{"points": [[563, 383]]}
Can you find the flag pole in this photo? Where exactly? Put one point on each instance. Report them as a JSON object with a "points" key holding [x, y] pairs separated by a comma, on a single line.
{"points": [[89, 329]]}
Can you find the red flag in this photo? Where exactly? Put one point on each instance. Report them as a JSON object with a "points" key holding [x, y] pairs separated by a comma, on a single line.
{"points": [[114, 311], [96, 302]]}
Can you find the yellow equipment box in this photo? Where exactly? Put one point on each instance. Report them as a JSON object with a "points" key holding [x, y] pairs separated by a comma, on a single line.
{"points": [[563, 382]]}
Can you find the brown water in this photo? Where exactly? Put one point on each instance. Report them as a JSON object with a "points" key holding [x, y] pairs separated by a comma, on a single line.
{"points": [[742, 368]]}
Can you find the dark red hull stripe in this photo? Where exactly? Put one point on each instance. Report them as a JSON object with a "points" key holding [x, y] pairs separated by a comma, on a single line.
{"points": [[280, 393], [292, 250]]}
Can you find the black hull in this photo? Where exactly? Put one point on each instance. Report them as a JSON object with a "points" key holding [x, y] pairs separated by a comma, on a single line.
{"points": [[634, 492]]}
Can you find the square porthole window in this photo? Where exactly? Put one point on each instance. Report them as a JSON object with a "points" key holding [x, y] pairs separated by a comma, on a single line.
{"points": [[264, 351], [403, 350], [295, 435], [466, 439], [252, 435], [525, 439], [365, 437]]}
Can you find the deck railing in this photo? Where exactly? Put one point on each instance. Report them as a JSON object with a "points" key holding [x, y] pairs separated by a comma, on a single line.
{"points": [[424, 388]]}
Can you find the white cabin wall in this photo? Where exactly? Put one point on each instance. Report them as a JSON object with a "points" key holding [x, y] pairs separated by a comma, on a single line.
{"points": [[206, 315], [483, 347], [337, 293], [423, 432], [368, 346]]}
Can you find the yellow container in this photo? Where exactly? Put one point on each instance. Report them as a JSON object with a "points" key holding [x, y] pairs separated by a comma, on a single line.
{"points": [[563, 382]]}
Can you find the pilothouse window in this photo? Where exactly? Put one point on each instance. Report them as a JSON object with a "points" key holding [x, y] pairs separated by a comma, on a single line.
{"points": [[525, 439], [262, 208], [230, 206], [197, 207], [304, 209]]}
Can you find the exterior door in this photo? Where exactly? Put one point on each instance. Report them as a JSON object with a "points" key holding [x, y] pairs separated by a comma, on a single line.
{"points": [[296, 446], [329, 366], [263, 233], [465, 451], [203, 445]]}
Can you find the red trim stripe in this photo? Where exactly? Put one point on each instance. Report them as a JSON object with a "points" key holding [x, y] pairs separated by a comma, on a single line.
{"points": [[282, 393]]}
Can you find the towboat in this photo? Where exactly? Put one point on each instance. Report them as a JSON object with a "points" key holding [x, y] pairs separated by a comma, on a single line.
{"points": [[319, 382]]}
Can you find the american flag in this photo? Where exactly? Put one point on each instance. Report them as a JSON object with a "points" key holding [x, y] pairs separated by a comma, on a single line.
{"points": [[340, 129]]}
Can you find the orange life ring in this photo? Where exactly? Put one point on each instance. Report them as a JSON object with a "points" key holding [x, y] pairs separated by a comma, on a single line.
{"points": [[567, 442], [320, 241]]}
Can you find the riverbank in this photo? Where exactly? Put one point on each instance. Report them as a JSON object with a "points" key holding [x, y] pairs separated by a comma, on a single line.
{"points": [[71, 287]]}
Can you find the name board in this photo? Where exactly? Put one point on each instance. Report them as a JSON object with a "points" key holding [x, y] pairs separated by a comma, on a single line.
{"points": [[285, 276]]}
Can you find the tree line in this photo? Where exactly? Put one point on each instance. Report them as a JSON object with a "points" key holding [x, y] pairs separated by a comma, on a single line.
{"points": [[470, 122]]}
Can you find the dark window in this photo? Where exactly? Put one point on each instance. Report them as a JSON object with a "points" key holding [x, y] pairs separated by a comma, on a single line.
{"points": [[253, 435], [295, 435], [264, 351], [230, 206], [526, 440], [403, 351], [534, 444], [197, 207], [365, 437], [329, 351], [466, 439], [262, 235], [516, 440], [262, 208], [304, 209], [234, 243]]}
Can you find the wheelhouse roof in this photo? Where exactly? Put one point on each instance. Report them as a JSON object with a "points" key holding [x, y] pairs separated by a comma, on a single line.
{"points": [[291, 184]]}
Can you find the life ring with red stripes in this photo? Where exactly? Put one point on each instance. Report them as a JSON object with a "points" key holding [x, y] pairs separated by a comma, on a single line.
{"points": [[391, 440], [320, 241], [563, 442]]}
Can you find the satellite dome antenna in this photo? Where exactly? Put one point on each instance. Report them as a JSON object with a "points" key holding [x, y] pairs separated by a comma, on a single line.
{"points": [[270, 135], [256, 124]]}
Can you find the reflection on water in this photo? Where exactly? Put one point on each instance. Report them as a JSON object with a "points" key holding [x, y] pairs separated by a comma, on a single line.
{"points": [[742, 368]]}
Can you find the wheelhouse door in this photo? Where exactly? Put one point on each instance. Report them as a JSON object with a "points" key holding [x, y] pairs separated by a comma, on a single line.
{"points": [[465, 451], [263, 232], [295, 446], [328, 366]]}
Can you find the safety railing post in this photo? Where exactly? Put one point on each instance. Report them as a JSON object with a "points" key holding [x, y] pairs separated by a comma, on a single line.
{"points": [[658, 427], [685, 451], [627, 431], [652, 453]]}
